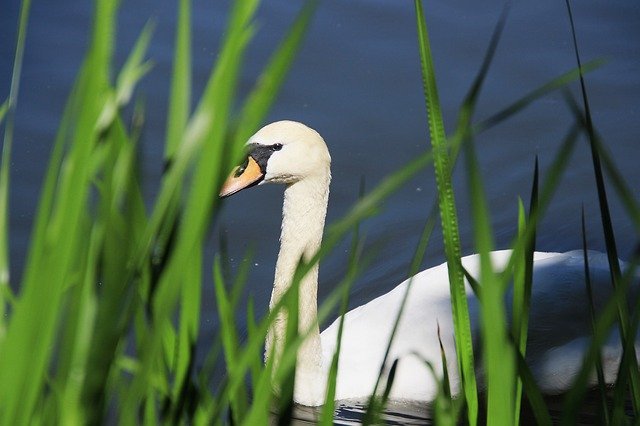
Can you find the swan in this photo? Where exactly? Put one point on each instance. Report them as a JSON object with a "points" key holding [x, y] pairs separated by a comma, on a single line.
{"points": [[290, 153]]}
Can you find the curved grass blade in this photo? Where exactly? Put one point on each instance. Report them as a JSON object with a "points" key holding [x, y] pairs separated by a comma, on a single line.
{"points": [[442, 165]]}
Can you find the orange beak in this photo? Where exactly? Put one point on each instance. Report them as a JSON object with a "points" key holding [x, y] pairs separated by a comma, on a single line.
{"points": [[242, 177]]}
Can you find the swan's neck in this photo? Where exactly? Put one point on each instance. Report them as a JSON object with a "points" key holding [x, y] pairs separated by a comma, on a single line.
{"points": [[303, 216]]}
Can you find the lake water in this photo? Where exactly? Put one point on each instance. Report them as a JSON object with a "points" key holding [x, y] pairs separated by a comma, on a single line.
{"points": [[357, 81]]}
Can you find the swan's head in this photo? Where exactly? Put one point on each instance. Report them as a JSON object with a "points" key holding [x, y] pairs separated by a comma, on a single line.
{"points": [[281, 152]]}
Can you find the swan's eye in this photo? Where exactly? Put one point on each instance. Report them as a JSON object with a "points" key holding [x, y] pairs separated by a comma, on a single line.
{"points": [[276, 147]]}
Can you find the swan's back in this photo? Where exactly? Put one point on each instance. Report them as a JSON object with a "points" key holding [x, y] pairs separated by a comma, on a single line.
{"points": [[558, 331]]}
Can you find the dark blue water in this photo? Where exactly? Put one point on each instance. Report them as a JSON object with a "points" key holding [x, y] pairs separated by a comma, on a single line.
{"points": [[357, 81]]}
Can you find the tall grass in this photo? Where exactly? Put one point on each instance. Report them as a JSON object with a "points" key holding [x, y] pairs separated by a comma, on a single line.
{"points": [[105, 321]]}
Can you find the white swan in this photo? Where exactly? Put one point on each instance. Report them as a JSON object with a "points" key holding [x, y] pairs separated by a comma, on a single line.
{"points": [[291, 153]]}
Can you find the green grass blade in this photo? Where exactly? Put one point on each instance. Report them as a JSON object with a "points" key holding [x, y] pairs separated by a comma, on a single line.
{"points": [[4, 107], [121, 216], [605, 214], [79, 325], [522, 284], [209, 124], [177, 120], [187, 330], [557, 83], [230, 341], [178, 115], [462, 323], [180, 96], [9, 108], [24, 373], [132, 71], [499, 361]]}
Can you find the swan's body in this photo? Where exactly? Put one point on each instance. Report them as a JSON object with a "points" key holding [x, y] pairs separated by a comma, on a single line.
{"points": [[293, 154]]}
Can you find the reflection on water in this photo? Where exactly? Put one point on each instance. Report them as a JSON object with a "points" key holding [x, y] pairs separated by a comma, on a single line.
{"points": [[419, 414], [346, 413]]}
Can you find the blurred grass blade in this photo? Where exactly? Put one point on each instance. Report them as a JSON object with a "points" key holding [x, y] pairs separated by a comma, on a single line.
{"points": [[446, 383], [177, 118], [80, 323], [8, 107], [135, 66], [520, 104], [180, 96], [230, 341], [602, 384], [464, 129], [23, 373], [605, 214], [4, 107], [208, 124], [605, 321], [132, 71], [534, 397], [461, 320]]}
